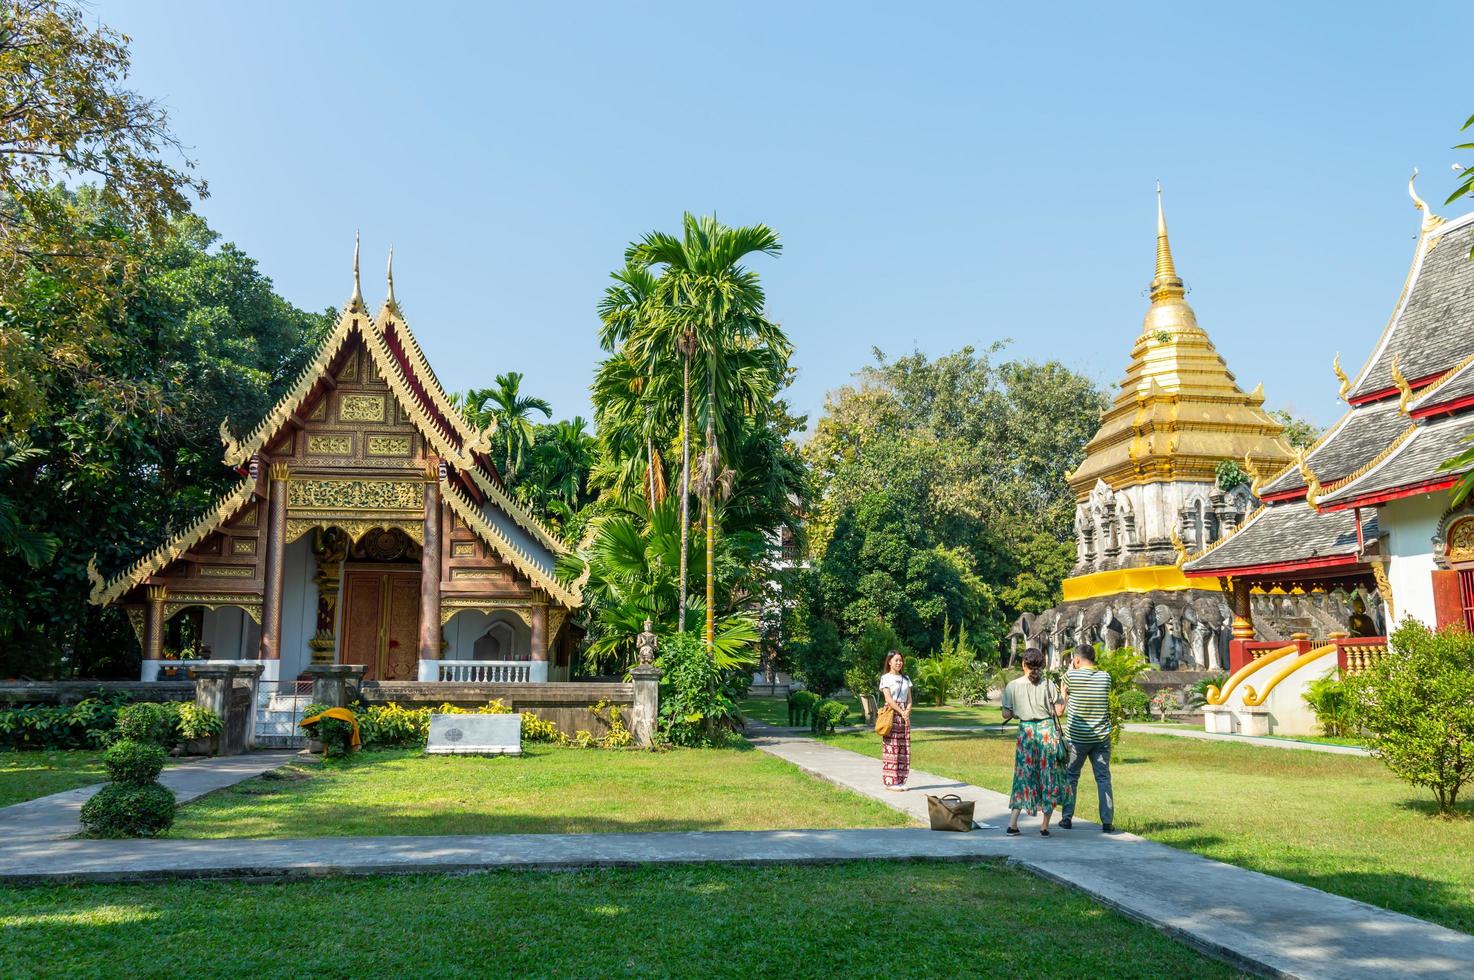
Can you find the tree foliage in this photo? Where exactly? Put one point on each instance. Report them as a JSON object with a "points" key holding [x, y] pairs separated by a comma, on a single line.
{"points": [[1299, 433], [942, 494], [66, 262], [1416, 708]]}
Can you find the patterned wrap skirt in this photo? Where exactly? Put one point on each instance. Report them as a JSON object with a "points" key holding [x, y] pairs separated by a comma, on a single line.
{"points": [[1039, 782], [895, 753]]}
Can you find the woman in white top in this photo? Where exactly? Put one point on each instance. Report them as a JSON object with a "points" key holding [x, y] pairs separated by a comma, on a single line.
{"points": [[895, 756]]}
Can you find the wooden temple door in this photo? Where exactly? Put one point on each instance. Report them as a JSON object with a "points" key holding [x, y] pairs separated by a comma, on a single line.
{"points": [[381, 623]]}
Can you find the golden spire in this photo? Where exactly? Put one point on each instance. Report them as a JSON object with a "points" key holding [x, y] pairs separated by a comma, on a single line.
{"points": [[389, 300], [1165, 283], [355, 302], [1341, 376]]}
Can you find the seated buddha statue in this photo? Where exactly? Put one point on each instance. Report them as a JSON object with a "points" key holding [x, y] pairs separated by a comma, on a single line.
{"points": [[1360, 624]]}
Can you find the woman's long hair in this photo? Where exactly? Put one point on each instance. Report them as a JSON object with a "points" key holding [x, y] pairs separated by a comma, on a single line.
{"points": [[890, 656]]}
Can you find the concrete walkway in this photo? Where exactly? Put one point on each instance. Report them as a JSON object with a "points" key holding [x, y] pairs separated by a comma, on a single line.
{"points": [[1262, 923], [59, 815], [1273, 743]]}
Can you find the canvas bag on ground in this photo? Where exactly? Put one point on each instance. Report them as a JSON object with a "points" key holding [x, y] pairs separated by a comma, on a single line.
{"points": [[950, 812]]}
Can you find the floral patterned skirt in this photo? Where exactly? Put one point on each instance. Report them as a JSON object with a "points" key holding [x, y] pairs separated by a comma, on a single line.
{"points": [[1039, 782], [895, 753]]}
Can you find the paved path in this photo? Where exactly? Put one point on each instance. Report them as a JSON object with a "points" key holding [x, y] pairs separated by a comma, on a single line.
{"points": [[1273, 743], [59, 815], [1262, 923]]}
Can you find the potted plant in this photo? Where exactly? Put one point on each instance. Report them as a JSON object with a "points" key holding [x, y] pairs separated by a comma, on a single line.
{"points": [[170, 669], [199, 729]]}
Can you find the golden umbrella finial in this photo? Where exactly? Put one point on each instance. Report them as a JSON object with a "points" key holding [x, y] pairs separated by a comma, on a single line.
{"points": [[1166, 283]]}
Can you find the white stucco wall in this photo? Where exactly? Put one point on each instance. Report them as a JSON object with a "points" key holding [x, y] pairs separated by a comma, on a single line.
{"points": [[466, 627], [1409, 525], [299, 607], [231, 634]]}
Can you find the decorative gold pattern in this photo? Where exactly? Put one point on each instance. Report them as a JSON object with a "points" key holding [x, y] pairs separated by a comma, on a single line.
{"points": [[176, 546], [1372, 463], [388, 446], [450, 606], [477, 574], [1256, 479], [1405, 390], [249, 604], [1179, 547], [1341, 376], [1461, 540], [356, 495], [463, 549], [523, 562], [361, 408], [330, 445], [355, 528], [1312, 485], [225, 571], [136, 619], [228, 440], [244, 546], [556, 615]]}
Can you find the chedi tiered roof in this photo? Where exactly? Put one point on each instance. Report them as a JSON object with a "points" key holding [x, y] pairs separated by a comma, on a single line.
{"points": [[1179, 412]]}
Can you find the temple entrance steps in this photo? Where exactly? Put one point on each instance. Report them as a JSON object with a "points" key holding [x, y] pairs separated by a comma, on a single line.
{"points": [[277, 717]]}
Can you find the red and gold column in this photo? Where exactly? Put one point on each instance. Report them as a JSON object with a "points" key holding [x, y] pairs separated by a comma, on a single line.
{"points": [[430, 575], [276, 553]]}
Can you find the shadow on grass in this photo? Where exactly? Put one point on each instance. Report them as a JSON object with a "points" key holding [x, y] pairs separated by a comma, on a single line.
{"points": [[1429, 808]]}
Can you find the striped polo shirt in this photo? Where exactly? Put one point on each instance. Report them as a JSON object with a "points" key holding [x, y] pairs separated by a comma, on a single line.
{"points": [[1090, 697]]}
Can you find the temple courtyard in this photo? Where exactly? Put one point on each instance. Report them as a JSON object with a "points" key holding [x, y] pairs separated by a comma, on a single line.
{"points": [[797, 828]]}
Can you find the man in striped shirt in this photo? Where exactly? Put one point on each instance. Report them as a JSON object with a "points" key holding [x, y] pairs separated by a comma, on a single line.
{"points": [[1088, 691]]}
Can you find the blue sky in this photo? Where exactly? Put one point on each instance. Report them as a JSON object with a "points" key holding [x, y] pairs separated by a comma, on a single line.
{"points": [[941, 175]]}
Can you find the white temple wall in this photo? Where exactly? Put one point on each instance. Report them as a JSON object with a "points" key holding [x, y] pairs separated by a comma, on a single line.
{"points": [[230, 634], [1409, 526], [299, 606], [465, 628]]}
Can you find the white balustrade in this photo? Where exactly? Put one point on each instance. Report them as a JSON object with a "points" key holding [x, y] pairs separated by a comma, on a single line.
{"points": [[478, 671]]}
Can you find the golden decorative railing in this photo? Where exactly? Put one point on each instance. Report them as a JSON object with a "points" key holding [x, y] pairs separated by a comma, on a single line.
{"points": [[1253, 698], [1261, 660], [1355, 656]]}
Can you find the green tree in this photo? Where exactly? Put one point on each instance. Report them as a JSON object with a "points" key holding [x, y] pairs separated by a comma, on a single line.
{"points": [[711, 306], [511, 412], [1299, 433], [66, 114], [200, 325], [1416, 708]]}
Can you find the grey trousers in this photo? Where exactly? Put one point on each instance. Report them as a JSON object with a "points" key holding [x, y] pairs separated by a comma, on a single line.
{"points": [[1099, 754]]}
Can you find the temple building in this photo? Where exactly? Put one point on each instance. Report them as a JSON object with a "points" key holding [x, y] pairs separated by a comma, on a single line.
{"points": [[1367, 507], [368, 525], [1148, 488]]}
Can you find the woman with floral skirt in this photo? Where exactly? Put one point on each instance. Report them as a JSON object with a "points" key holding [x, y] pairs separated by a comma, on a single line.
{"points": [[1040, 781]]}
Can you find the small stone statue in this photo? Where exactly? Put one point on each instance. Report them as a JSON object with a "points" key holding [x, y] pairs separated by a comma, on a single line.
{"points": [[645, 645], [1360, 624]]}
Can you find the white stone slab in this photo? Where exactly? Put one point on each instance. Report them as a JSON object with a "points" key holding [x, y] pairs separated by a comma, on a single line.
{"points": [[475, 735]]}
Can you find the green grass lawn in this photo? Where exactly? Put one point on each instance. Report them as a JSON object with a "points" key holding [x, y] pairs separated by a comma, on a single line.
{"points": [[548, 790], [1340, 823], [774, 711], [859, 919], [28, 775]]}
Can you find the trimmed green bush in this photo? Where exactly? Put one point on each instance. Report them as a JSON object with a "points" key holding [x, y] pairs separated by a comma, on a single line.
{"points": [[134, 763], [128, 810], [827, 715], [801, 705], [146, 722], [87, 724], [196, 722], [1133, 703]]}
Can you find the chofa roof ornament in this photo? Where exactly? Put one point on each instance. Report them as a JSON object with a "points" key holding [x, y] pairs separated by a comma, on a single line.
{"points": [[1430, 220]]}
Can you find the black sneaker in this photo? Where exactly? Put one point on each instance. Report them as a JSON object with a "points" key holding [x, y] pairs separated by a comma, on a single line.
{"points": [[1107, 828], [1066, 824]]}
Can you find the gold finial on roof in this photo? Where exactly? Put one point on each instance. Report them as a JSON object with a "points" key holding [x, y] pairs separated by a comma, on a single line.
{"points": [[96, 580], [1341, 375], [1430, 220], [1166, 282], [389, 300], [1312, 484], [1402, 386], [1180, 548], [355, 302]]}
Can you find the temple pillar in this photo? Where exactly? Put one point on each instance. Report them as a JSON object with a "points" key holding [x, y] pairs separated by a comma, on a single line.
{"points": [[540, 642], [430, 577], [153, 622], [276, 553]]}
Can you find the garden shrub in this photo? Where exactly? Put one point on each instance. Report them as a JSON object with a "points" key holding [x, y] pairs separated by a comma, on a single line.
{"points": [[335, 734], [84, 725], [196, 722], [1132, 703], [801, 706], [129, 810], [1124, 665], [827, 715], [132, 762], [382, 726], [694, 707], [1197, 693], [1415, 706], [145, 722], [1327, 698], [1164, 701], [862, 682]]}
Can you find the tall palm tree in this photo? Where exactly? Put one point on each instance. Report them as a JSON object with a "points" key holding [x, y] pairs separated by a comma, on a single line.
{"points": [[626, 309], [512, 412], [709, 304]]}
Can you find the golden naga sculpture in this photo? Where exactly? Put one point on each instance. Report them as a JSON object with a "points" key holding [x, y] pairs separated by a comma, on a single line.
{"points": [[95, 578], [1430, 220], [1180, 548], [1312, 484], [1341, 376], [1403, 387], [1256, 479]]}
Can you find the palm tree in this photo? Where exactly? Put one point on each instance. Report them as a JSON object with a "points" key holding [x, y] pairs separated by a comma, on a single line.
{"points": [[512, 413], [708, 304], [34, 547], [627, 308]]}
